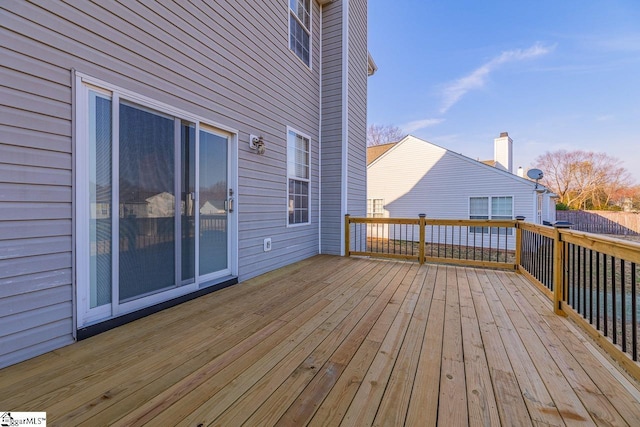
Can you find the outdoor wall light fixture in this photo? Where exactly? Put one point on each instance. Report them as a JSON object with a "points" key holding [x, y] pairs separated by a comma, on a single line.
{"points": [[257, 143]]}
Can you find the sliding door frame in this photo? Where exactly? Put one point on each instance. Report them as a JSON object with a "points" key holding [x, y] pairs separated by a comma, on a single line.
{"points": [[85, 315]]}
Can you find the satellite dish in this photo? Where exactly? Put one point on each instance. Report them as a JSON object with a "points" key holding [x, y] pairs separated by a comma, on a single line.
{"points": [[535, 174]]}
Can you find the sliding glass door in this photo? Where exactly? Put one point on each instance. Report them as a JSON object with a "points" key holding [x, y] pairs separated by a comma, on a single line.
{"points": [[146, 232], [214, 203], [158, 201]]}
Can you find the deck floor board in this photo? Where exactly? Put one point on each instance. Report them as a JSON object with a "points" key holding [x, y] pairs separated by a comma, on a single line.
{"points": [[337, 341]]}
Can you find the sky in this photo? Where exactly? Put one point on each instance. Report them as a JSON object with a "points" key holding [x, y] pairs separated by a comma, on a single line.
{"points": [[554, 74]]}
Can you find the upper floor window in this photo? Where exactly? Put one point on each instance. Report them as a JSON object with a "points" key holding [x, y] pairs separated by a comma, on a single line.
{"points": [[298, 165], [300, 29]]}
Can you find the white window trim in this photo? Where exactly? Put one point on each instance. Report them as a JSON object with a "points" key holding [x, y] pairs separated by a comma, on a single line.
{"points": [[292, 14], [309, 216], [83, 83]]}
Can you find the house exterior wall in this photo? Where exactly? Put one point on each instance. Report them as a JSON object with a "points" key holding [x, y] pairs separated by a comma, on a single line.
{"points": [[357, 110], [213, 62], [332, 126], [417, 177], [344, 118]]}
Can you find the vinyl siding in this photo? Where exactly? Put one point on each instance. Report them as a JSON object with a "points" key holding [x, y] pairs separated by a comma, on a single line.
{"points": [[357, 107], [332, 126], [35, 204], [212, 61], [344, 115]]}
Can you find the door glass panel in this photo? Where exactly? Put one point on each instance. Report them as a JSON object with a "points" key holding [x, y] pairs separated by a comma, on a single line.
{"points": [[213, 195], [147, 203], [99, 199], [187, 201]]}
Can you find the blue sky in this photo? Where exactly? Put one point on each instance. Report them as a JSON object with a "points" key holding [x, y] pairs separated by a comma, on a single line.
{"points": [[555, 74]]}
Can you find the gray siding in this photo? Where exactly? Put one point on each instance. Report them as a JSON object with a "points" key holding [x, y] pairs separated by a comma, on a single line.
{"points": [[344, 117], [210, 60], [35, 203], [357, 107], [332, 127]]}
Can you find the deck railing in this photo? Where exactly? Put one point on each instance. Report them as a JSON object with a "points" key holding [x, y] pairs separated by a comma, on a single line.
{"points": [[592, 279], [480, 243]]}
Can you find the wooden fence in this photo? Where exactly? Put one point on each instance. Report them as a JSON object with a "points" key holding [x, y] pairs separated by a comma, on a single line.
{"points": [[602, 222]]}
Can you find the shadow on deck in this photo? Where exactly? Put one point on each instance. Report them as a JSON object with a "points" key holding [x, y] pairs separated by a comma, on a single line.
{"points": [[337, 341]]}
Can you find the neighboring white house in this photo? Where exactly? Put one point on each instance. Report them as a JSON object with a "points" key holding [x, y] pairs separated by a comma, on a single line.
{"points": [[414, 176], [118, 118]]}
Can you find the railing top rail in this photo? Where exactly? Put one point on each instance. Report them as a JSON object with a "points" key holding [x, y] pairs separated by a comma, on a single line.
{"points": [[357, 220], [433, 221], [629, 251], [543, 230]]}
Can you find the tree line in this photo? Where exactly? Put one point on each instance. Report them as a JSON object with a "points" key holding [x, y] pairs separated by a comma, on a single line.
{"points": [[588, 180]]}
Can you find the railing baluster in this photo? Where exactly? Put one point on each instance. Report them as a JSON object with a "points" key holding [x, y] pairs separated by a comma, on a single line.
{"points": [[547, 261], [634, 314], [584, 282], [490, 242], [534, 251], [591, 286], [565, 276], [623, 306], [551, 263], [614, 318], [506, 242], [445, 241], [570, 276], [432, 239], [572, 270], [580, 280], [576, 275], [598, 290], [605, 306]]}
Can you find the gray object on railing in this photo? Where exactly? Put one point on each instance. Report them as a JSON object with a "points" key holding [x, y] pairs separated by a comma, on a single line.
{"points": [[562, 224]]}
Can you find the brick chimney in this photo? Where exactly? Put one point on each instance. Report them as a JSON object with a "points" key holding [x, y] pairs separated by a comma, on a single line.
{"points": [[503, 152]]}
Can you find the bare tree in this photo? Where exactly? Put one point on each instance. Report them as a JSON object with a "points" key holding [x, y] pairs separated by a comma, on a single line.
{"points": [[584, 179], [383, 134]]}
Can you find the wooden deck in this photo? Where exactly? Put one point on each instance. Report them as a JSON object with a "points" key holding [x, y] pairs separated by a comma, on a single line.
{"points": [[337, 341]]}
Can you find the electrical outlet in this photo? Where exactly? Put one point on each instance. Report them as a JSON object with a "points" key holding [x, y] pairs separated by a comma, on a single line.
{"points": [[267, 244]]}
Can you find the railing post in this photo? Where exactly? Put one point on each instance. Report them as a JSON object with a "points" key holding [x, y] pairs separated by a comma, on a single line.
{"points": [[422, 237], [519, 220], [347, 236], [558, 269]]}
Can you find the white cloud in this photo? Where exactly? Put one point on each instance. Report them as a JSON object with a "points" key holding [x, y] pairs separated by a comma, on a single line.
{"points": [[420, 124], [478, 78], [605, 118]]}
